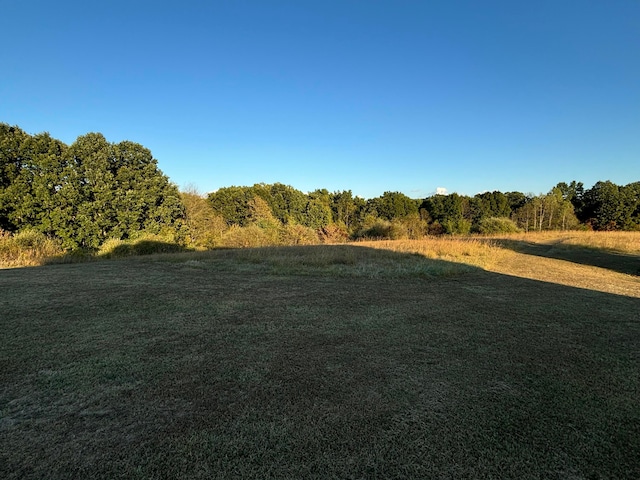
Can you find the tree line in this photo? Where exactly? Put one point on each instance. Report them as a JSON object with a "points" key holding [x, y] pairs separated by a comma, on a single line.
{"points": [[92, 190]]}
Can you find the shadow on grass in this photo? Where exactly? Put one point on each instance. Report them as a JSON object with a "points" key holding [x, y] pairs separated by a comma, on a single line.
{"points": [[595, 257], [122, 250], [326, 260], [145, 247]]}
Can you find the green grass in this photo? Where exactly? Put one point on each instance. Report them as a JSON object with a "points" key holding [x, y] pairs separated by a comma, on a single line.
{"points": [[313, 362]]}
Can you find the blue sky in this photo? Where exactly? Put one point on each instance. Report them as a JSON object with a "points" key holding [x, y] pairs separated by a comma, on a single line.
{"points": [[366, 95]]}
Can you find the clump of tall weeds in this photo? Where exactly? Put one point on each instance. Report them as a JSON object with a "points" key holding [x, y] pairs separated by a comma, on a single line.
{"points": [[27, 248]]}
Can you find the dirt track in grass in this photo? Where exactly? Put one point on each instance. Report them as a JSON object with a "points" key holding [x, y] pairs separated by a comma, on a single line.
{"points": [[224, 365]]}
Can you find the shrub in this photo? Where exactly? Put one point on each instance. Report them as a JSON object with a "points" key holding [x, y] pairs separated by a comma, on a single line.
{"points": [[375, 228], [333, 233], [143, 244], [247, 237], [414, 226], [458, 226], [292, 234], [27, 248], [493, 225]]}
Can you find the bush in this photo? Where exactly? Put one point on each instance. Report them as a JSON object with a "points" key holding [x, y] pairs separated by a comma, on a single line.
{"points": [[144, 244], [333, 233], [248, 237], [292, 234], [493, 225], [458, 226], [414, 226], [375, 228], [27, 248]]}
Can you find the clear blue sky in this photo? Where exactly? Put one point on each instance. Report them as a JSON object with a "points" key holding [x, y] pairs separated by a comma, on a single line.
{"points": [[367, 95]]}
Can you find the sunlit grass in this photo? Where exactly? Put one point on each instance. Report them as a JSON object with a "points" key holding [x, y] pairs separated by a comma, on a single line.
{"points": [[473, 251], [602, 261], [622, 242]]}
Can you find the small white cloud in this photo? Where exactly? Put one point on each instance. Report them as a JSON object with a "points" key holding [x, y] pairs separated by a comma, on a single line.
{"points": [[441, 191]]}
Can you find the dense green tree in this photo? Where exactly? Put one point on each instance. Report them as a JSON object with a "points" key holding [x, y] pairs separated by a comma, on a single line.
{"points": [[30, 199], [12, 145], [119, 192], [631, 197], [145, 198], [318, 214], [489, 204], [261, 215], [573, 192], [85, 193], [287, 204], [451, 212], [348, 211], [392, 205], [604, 206], [232, 204], [516, 200]]}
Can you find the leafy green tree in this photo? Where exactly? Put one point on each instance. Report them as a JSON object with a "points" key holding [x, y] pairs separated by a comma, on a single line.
{"points": [[203, 228], [573, 192], [260, 214], [631, 197], [145, 198], [604, 206], [287, 204], [489, 204], [392, 205], [547, 212], [85, 193], [119, 192], [516, 200], [12, 145], [451, 212], [317, 214], [232, 204], [30, 199], [348, 211]]}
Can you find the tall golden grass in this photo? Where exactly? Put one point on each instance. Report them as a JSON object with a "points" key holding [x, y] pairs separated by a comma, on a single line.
{"points": [[482, 250], [502, 254], [26, 249], [476, 251], [620, 242]]}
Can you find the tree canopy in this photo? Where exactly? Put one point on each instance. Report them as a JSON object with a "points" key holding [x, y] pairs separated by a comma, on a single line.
{"points": [[84, 193]]}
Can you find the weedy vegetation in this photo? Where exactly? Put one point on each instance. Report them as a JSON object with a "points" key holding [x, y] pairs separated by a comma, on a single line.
{"points": [[510, 356]]}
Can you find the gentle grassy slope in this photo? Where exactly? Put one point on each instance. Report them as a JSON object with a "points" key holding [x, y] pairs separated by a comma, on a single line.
{"points": [[317, 362]]}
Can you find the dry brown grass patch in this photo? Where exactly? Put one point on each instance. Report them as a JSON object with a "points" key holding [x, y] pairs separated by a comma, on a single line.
{"points": [[602, 261]]}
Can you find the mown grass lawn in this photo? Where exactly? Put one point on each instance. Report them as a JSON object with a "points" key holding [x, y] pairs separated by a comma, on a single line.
{"points": [[324, 362]]}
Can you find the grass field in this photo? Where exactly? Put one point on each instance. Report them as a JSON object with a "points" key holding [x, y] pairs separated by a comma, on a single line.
{"points": [[514, 357]]}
